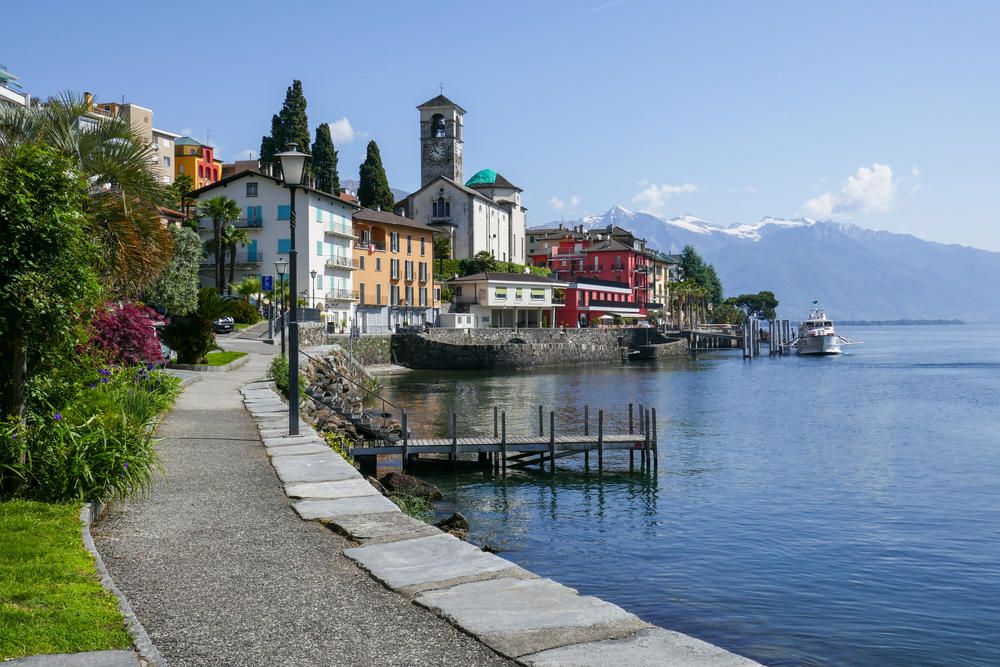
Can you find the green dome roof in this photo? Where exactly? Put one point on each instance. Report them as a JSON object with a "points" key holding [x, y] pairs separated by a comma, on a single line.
{"points": [[482, 176]]}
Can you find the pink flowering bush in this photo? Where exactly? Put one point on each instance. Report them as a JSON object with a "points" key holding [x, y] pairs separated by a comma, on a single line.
{"points": [[126, 334]]}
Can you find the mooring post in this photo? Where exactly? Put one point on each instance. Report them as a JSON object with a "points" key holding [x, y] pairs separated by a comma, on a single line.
{"points": [[600, 440], [454, 439], [647, 443], [541, 431], [586, 431], [656, 449], [495, 423], [406, 443], [630, 419], [503, 441], [552, 441], [642, 429]]}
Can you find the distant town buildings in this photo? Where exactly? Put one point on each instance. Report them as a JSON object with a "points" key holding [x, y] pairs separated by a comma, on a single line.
{"points": [[197, 160]]}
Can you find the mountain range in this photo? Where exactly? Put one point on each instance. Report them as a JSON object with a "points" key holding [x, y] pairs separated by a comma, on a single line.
{"points": [[855, 273]]}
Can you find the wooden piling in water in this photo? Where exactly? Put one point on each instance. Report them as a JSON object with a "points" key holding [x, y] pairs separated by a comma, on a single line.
{"points": [[600, 439], [656, 450], [406, 441], [586, 431], [552, 441], [646, 443], [454, 439]]}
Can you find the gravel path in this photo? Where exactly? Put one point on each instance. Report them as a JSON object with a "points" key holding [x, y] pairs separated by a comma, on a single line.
{"points": [[220, 570]]}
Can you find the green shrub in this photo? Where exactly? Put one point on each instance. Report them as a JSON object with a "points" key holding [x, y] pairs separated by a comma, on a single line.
{"points": [[419, 508], [245, 313], [339, 443], [278, 372]]}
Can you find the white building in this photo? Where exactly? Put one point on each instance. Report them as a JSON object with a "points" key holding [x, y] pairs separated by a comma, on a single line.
{"points": [[505, 300], [9, 89], [324, 238], [483, 214]]}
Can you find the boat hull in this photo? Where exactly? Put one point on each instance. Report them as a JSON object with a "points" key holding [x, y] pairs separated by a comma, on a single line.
{"points": [[818, 345]]}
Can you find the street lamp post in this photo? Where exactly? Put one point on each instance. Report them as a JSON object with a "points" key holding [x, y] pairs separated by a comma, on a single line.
{"points": [[279, 268], [313, 300], [293, 167]]}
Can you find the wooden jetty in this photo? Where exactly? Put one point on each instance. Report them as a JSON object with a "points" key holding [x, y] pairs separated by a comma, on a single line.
{"points": [[502, 451]]}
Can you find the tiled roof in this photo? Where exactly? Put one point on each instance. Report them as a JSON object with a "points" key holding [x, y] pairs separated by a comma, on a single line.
{"points": [[386, 218], [508, 277], [440, 101]]}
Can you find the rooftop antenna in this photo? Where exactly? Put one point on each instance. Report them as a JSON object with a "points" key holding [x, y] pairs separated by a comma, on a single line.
{"points": [[441, 87], [208, 137]]}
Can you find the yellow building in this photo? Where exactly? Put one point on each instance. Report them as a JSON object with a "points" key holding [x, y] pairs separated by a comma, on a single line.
{"points": [[198, 161], [394, 281]]}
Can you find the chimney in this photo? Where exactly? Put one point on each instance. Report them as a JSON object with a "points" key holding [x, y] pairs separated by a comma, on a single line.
{"points": [[88, 100]]}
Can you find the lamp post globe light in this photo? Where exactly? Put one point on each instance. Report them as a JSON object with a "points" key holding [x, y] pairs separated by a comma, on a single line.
{"points": [[280, 267], [313, 300], [293, 167]]}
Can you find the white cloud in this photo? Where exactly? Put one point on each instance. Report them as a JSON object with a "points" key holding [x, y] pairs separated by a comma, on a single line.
{"points": [[559, 204], [915, 171], [654, 198], [868, 190], [341, 131], [187, 131]]}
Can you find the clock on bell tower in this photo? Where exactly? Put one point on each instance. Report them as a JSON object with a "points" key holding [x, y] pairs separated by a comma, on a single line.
{"points": [[440, 140]]}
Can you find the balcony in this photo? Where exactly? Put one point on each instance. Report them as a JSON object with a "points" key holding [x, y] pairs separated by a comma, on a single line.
{"points": [[609, 303], [365, 244], [337, 262], [241, 223], [643, 268], [340, 295], [369, 300], [244, 257], [339, 229]]}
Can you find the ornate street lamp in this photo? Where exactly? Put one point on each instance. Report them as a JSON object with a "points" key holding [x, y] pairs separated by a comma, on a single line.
{"points": [[293, 167], [313, 300], [280, 267]]}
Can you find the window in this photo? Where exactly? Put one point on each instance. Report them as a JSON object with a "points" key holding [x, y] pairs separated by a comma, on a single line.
{"points": [[284, 245], [423, 272], [409, 270], [517, 293], [251, 189], [319, 215], [378, 263], [284, 212], [180, 169], [409, 295], [319, 281], [437, 293], [394, 268], [394, 295], [501, 292], [409, 244], [166, 160], [253, 215], [423, 296], [366, 237], [156, 159], [201, 171], [361, 262], [422, 239], [437, 125], [361, 294], [378, 294], [319, 248], [393, 241], [537, 293]]}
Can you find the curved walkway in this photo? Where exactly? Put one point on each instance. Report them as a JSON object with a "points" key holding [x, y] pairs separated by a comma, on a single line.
{"points": [[220, 570]]}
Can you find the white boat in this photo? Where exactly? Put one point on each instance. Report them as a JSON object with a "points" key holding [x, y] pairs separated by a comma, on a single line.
{"points": [[818, 336]]}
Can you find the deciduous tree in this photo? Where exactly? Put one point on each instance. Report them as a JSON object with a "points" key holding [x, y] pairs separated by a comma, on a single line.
{"points": [[177, 288]]}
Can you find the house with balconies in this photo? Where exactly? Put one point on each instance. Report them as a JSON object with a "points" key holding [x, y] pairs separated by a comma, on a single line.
{"points": [[394, 281], [525, 300], [324, 238]]}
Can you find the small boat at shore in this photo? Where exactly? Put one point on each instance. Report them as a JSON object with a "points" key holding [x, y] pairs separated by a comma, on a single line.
{"points": [[817, 335]]}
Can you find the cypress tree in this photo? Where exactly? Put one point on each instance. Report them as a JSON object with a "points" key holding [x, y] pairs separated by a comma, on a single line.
{"points": [[290, 125], [324, 162], [373, 190]]}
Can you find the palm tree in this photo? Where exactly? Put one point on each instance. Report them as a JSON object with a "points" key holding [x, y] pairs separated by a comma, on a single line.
{"points": [[230, 237], [248, 288], [220, 209], [124, 193]]}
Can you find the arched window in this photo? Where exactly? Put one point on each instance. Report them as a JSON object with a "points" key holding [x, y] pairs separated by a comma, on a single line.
{"points": [[437, 125]]}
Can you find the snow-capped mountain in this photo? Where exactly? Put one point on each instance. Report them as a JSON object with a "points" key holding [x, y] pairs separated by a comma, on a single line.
{"points": [[856, 273]]}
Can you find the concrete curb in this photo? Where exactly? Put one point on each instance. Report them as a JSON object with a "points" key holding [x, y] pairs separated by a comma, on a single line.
{"points": [[520, 616], [140, 638], [204, 368]]}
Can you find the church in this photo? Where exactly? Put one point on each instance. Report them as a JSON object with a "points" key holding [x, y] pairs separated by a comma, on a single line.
{"points": [[483, 213]]}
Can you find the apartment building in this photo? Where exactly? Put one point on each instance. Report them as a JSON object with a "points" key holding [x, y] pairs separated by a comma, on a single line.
{"points": [[394, 281]]}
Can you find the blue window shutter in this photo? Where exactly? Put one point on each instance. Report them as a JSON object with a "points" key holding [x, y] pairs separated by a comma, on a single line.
{"points": [[284, 245], [284, 212], [252, 251], [319, 281], [319, 215], [319, 248]]}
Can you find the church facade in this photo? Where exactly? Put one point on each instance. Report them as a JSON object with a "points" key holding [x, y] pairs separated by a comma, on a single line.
{"points": [[481, 214]]}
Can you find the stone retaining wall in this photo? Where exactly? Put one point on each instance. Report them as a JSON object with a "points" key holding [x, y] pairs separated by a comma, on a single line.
{"points": [[311, 333], [369, 350]]}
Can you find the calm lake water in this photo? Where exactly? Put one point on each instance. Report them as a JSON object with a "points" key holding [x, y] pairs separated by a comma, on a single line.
{"points": [[805, 511]]}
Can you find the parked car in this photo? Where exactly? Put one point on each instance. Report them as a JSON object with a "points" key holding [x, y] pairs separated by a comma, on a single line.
{"points": [[224, 324], [166, 352]]}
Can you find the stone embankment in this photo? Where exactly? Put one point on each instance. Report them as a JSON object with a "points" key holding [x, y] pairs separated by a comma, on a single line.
{"points": [[341, 381]]}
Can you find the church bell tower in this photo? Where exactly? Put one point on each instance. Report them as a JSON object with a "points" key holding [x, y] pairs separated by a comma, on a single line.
{"points": [[440, 140]]}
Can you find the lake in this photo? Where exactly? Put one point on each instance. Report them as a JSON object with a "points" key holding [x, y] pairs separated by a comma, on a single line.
{"points": [[805, 511]]}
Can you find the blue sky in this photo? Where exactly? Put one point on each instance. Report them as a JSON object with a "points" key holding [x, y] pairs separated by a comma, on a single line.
{"points": [[883, 114]]}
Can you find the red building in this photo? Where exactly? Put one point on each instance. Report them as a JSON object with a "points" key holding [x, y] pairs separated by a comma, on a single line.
{"points": [[606, 275]]}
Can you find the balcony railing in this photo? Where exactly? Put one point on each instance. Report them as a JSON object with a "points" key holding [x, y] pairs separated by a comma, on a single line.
{"points": [[244, 257], [370, 245], [369, 300], [340, 295], [339, 229], [242, 223], [609, 303], [338, 262]]}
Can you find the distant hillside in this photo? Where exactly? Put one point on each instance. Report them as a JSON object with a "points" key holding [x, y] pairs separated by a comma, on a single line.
{"points": [[855, 273], [353, 187]]}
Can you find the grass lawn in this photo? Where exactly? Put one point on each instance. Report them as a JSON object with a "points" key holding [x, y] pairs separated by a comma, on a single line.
{"points": [[50, 598], [241, 325], [223, 358]]}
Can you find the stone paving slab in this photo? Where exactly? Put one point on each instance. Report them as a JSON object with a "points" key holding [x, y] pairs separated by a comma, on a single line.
{"points": [[347, 488], [516, 617], [379, 528], [298, 450], [332, 508], [326, 467], [425, 560], [652, 647], [264, 406], [281, 441]]}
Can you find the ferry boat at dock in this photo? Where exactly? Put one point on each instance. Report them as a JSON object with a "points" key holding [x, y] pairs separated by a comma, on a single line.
{"points": [[817, 335]]}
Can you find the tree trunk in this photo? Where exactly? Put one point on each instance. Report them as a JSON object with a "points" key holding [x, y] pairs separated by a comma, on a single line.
{"points": [[217, 237], [232, 269]]}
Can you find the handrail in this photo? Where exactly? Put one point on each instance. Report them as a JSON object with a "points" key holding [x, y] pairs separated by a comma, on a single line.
{"points": [[359, 386]]}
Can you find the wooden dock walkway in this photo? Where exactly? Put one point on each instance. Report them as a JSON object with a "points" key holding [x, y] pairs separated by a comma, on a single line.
{"points": [[502, 451]]}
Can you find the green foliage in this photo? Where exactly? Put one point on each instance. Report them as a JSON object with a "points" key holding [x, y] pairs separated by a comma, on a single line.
{"points": [[442, 247], [46, 265], [373, 189], [223, 358], [231, 237], [467, 267], [414, 506], [192, 336], [324, 162], [98, 446], [289, 126], [278, 373], [50, 598], [177, 287], [220, 209], [245, 313], [183, 184], [695, 269], [483, 262], [728, 313], [340, 443], [248, 288], [447, 295], [761, 305]]}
